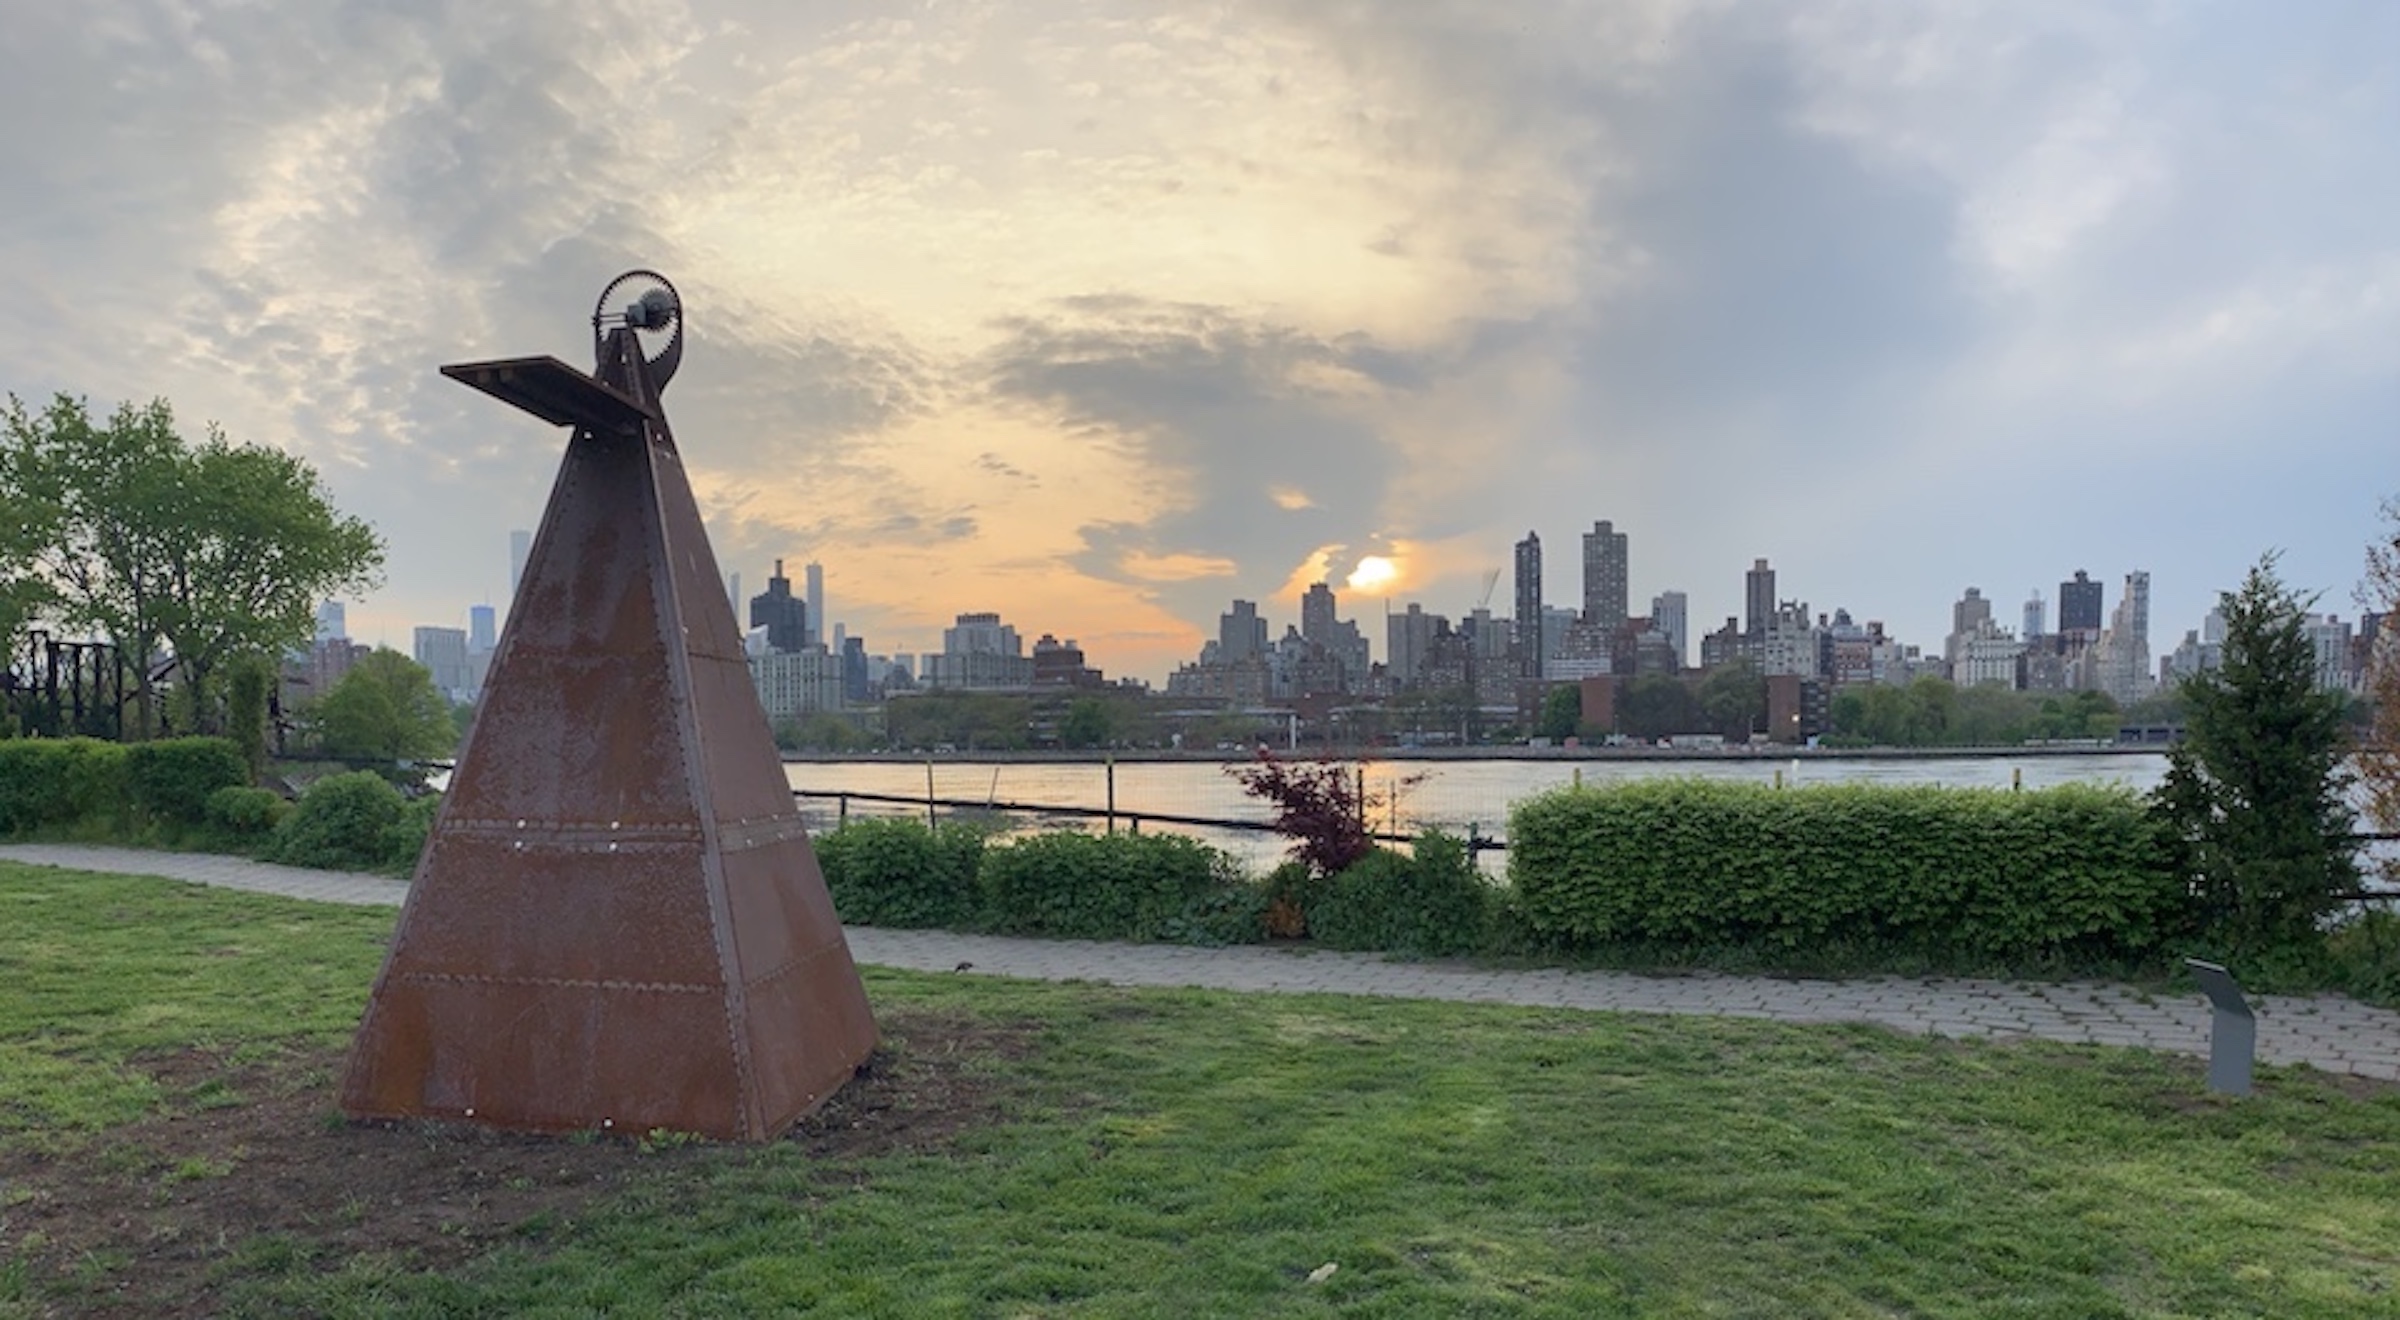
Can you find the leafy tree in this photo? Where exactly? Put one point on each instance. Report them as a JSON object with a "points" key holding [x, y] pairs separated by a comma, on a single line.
{"points": [[1562, 712], [961, 719], [821, 731], [2379, 748], [2255, 793], [1088, 723], [96, 500], [198, 553], [247, 681], [385, 709], [1733, 699], [259, 544], [1655, 706]]}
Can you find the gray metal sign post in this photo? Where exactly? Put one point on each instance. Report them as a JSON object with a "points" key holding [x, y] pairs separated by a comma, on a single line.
{"points": [[2233, 1036]]}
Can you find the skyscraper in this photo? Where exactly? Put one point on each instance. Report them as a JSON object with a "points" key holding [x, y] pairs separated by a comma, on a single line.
{"points": [[1970, 617], [2124, 668], [1604, 573], [2079, 607], [1758, 600], [783, 615], [2034, 615], [814, 576], [1317, 615], [332, 621], [482, 634], [1670, 613], [443, 652], [1241, 634], [1529, 607], [1408, 640]]}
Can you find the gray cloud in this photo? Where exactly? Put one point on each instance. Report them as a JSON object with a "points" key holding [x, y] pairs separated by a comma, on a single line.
{"points": [[1219, 409], [1902, 297]]}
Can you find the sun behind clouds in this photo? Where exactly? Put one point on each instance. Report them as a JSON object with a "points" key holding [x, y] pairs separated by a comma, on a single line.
{"points": [[1374, 575]]}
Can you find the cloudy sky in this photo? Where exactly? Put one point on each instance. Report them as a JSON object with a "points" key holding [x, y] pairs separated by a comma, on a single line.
{"points": [[1103, 314]]}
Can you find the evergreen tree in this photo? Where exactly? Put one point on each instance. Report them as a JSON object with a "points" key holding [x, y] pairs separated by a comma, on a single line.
{"points": [[2255, 794]]}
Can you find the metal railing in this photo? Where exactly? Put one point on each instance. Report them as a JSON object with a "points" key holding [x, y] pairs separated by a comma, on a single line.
{"points": [[1134, 820]]}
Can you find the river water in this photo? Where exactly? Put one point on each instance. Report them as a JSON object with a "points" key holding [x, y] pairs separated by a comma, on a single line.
{"points": [[1452, 794]]}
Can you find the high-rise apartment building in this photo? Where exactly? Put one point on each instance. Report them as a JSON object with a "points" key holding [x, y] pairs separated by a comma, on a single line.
{"points": [[1670, 614], [1968, 618], [1338, 638], [1241, 634], [783, 615], [443, 652], [1604, 577], [1529, 607], [814, 576], [981, 634], [1317, 620], [2079, 613], [2124, 650], [1408, 641], [1758, 599], [979, 651]]}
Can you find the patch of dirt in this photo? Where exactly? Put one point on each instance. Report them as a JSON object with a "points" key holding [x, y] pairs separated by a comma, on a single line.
{"points": [[246, 1165]]}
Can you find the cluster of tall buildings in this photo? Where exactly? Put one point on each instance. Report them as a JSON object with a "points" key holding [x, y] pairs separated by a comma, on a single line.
{"points": [[801, 667], [1806, 655], [798, 671]]}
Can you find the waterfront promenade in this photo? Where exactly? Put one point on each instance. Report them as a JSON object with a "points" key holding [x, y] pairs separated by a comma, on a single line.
{"points": [[2326, 1032]]}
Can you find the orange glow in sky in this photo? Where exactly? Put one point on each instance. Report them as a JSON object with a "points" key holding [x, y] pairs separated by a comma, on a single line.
{"points": [[1374, 575]]}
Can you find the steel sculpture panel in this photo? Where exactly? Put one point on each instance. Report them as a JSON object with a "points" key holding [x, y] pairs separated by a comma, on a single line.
{"points": [[617, 921]]}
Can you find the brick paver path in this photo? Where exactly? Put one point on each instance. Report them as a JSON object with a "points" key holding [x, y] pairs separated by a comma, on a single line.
{"points": [[2327, 1031]]}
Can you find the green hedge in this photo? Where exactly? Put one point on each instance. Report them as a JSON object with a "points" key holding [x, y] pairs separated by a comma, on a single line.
{"points": [[59, 783], [1957, 875], [902, 873], [245, 814], [1431, 902], [1120, 887], [170, 780]]}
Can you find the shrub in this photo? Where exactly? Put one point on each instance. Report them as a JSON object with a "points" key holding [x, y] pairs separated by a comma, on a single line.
{"points": [[2363, 954], [1433, 903], [1319, 806], [1290, 890], [404, 838], [1091, 886], [170, 780], [901, 873], [1234, 913], [245, 813], [1954, 875], [340, 823], [58, 783]]}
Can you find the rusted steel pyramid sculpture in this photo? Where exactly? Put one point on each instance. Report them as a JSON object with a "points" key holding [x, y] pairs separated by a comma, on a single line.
{"points": [[618, 921]]}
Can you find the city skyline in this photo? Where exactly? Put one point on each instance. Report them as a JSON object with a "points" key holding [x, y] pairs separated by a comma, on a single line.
{"points": [[1101, 318], [1245, 632]]}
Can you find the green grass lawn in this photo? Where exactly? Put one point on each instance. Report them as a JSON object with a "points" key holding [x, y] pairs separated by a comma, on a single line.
{"points": [[1100, 1152]]}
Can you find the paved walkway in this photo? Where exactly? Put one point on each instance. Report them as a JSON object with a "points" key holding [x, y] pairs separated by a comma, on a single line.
{"points": [[2328, 1032]]}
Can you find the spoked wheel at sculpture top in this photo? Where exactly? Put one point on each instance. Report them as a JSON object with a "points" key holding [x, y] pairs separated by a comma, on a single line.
{"points": [[645, 303]]}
